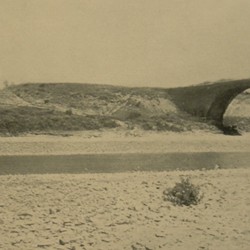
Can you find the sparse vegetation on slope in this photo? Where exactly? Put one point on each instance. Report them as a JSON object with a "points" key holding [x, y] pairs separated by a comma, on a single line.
{"points": [[30, 119], [29, 108]]}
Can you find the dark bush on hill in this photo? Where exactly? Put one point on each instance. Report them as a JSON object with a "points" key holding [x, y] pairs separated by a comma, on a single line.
{"points": [[29, 119]]}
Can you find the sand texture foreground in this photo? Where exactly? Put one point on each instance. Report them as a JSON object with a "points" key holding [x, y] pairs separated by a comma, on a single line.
{"points": [[124, 211]]}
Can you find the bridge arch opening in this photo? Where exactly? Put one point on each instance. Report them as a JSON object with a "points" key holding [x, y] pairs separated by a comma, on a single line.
{"points": [[236, 118]]}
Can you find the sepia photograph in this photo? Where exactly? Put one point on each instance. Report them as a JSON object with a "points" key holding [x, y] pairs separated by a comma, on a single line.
{"points": [[124, 125]]}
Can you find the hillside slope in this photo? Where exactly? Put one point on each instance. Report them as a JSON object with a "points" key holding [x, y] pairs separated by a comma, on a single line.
{"points": [[55, 107]]}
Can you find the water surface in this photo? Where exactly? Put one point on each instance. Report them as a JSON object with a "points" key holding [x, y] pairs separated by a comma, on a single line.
{"points": [[110, 163]]}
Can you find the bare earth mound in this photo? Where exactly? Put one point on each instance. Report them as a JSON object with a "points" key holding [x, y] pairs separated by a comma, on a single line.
{"points": [[55, 107]]}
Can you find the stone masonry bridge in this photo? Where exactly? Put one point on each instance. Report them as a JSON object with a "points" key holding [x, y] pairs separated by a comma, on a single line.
{"points": [[208, 101]]}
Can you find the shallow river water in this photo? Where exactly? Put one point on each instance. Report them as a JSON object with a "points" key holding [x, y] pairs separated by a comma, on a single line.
{"points": [[110, 163]]}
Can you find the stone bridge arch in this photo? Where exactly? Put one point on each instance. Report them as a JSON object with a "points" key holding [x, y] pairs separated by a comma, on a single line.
{"points": [[208, 101]]}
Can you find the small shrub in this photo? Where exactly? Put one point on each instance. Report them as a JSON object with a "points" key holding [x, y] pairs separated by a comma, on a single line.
{"points": [[184, 193], [69, 112], [133, 115]]}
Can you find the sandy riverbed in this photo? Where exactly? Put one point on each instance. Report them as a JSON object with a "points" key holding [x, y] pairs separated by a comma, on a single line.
{"points": [[124, 210], [132, 142]]}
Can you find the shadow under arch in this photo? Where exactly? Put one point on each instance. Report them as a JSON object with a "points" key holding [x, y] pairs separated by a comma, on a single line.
{"points": [[221, 103], [208, 101]]}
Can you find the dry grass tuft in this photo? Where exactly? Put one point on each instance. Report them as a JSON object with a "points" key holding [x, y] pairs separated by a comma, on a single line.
{"points": [[184, 193]]}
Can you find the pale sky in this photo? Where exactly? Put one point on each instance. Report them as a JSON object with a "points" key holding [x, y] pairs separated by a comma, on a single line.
{"points": [[161, 43]]}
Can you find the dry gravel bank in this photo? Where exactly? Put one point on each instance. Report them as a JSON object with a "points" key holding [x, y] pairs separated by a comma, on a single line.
{"points": [[130, 142], [124, 211]]}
